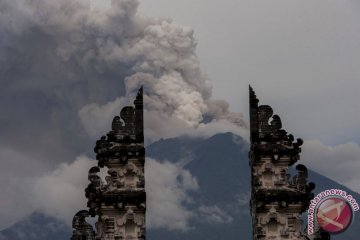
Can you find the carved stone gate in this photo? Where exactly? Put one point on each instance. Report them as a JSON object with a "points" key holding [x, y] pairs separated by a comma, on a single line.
{"points": [[277, 199], [120, 201]]}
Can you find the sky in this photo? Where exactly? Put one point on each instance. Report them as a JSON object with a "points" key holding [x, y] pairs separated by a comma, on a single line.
{"points": [[67, 67], [301, 57]]}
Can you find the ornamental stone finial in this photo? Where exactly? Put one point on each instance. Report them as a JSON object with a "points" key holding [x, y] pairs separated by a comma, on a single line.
{"points": [[120, 201], [277, 200]]}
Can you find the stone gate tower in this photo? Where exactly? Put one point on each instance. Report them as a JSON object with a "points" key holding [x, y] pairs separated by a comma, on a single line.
{"points": [[277, 199], [120, 202]]}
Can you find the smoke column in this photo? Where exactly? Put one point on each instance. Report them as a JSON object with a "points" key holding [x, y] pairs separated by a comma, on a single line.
{"points": [[66, 68]]}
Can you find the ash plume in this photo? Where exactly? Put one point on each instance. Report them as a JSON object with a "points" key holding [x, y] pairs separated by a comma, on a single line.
{"points": [[70, 55], [162, 56], [66, 69]]}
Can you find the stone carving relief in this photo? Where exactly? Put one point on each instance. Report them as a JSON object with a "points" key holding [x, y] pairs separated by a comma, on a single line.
{"points": [[278, 199], [120, 200]]}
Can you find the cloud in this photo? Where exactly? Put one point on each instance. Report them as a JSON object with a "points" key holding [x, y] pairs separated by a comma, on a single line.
{"points": [[167, 187], [340, 163], [243, 199], [60, 193], [15, 173], [97, 119], [214, 215], [163, 59], [66, 68], [300, 56], [158, 124], [52, 63]]}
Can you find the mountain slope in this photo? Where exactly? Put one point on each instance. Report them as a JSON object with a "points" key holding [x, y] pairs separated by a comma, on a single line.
{"points": [[220, 206], [220, 164], [37, 227]]}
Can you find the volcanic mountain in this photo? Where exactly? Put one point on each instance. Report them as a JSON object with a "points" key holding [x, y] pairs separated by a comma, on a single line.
{"points": [[220, 205]]}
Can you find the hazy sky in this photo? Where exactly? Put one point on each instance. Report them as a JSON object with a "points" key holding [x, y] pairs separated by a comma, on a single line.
{"points": [[302, 57], [67, 67]]}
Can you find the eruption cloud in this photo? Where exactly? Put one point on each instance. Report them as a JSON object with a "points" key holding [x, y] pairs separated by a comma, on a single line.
{"points": [[161, 56], [66, 69], [80, 55]]}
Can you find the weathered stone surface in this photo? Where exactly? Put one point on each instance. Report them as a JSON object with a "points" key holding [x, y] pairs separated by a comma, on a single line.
{"points": [[278, 199], [120, 201]]}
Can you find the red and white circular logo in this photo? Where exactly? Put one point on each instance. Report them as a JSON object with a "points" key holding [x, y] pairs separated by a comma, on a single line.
{"points": [[334, 215]]}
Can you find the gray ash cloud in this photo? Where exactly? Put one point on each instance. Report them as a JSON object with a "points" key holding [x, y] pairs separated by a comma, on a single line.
{"points": [[66, 69]]}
